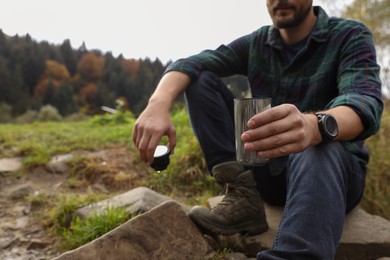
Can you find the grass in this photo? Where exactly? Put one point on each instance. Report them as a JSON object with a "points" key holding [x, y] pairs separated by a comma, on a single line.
{"points": [[186, 178], [72, 231], [82, 231], [38, 142]]}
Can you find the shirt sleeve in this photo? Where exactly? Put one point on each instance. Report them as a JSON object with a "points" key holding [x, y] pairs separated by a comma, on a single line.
{"points": [[358, 79], [226, 60]]}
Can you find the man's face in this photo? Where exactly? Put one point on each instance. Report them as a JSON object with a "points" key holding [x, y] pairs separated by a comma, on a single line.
{"points": [[288, 13]]}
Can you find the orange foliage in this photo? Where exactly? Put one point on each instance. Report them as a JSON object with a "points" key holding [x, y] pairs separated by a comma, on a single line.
{"points": [[131, 66], [55, 73], [89, 93], [90, 67]]}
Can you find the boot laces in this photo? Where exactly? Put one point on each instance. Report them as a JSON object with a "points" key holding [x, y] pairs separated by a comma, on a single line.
{"points": [[232, 192]]}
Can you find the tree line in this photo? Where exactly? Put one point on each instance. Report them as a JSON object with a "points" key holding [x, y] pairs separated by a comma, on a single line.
{"points": [[34, 74]]}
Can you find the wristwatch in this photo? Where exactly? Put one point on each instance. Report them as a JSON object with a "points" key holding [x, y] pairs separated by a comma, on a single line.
{"points": [[328, 127]]}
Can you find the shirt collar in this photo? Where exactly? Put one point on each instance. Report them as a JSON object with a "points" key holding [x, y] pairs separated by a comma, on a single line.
{"points": [[319, 32]]}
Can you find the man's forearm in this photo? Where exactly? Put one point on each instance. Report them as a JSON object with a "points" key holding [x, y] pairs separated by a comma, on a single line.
{"points": [[349, 123], [170, 86]]}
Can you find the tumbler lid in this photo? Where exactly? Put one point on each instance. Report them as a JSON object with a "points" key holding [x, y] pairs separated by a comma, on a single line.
{"points": [[161, 158]]}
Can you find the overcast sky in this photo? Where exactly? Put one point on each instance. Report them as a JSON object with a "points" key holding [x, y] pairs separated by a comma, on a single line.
{"points": [[168, 29]]}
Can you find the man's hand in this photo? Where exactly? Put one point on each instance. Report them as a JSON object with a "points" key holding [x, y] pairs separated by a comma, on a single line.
{"points": [[281, 130], [155, 121], [150, 127]]}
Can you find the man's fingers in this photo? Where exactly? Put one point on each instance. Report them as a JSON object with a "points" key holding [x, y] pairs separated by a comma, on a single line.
{"points": [[270, 115]]}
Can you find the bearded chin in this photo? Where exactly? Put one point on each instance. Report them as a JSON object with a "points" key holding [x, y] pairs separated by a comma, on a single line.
{"points": [[286, 24], [293, 22]]}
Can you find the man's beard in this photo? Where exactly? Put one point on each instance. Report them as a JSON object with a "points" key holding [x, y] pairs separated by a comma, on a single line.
{"points": [[295, 21]]}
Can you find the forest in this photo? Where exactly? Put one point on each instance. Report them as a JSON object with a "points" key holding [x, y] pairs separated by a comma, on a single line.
{"points": [[34, 74]]}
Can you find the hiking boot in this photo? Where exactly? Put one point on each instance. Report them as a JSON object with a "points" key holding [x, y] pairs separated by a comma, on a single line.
{"points": [[240, 211], [227, 172]]}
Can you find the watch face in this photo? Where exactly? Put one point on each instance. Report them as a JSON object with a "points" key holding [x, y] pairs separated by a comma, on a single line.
{"points": [[331, 126]]}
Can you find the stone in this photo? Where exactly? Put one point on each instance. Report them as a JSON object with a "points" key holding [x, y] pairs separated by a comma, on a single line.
{"points": [[6, 241], [138, 200], [10, 164], [59, 163], [21, 222], [165, 232], [21, 191], [37, 244], [364, 237]]}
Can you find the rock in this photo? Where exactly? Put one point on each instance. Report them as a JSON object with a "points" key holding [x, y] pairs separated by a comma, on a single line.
{"points": [[138, 200], [37, 244], [164, 232], [364, 237], [6, 241], [21, 191], [21, 222], [10, 164], [58, 164]]}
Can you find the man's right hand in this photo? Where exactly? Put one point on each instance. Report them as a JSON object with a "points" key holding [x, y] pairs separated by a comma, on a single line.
{"points": [[150, 127], [155, 121]]}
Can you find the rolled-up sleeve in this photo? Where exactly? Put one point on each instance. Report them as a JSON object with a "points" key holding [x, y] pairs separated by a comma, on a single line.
{"points": [[359, 81]]}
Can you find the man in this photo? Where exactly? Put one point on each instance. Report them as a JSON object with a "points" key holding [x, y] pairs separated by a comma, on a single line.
{"points": [[322, 76]]}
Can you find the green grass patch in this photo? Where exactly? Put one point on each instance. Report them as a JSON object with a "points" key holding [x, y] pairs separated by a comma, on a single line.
{"points": [[38, 142], [82, 231]]}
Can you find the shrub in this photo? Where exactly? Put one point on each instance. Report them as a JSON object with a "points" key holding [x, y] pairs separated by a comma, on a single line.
{"points": [[76, 117], [27, 118], [48, 113], [5, 113]]}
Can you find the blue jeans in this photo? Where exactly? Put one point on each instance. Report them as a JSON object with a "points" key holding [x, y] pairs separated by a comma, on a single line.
{"points": [[317, 188]]}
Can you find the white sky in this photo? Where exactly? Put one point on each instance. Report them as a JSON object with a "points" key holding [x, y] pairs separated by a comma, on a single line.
{"points": [[168, 29]]}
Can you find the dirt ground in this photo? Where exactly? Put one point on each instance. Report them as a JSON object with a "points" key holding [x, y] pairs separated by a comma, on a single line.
{"points": [[22, 233]]}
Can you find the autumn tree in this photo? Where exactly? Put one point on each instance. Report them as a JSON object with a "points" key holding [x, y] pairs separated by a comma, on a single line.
{"points": [[54, 75], [131, 66], [90, 67], [89, 92]]}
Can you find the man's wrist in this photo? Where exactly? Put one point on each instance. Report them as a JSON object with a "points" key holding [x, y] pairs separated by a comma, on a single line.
{"points": [[163, 103], [328, 126], [316, 137]]}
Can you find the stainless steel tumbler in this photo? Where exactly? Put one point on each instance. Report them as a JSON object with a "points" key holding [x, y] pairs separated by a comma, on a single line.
{"points": [[244, 109]]}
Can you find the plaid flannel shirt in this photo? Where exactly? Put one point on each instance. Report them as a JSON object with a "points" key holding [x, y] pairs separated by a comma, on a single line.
{"points": [[337, 66]]}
